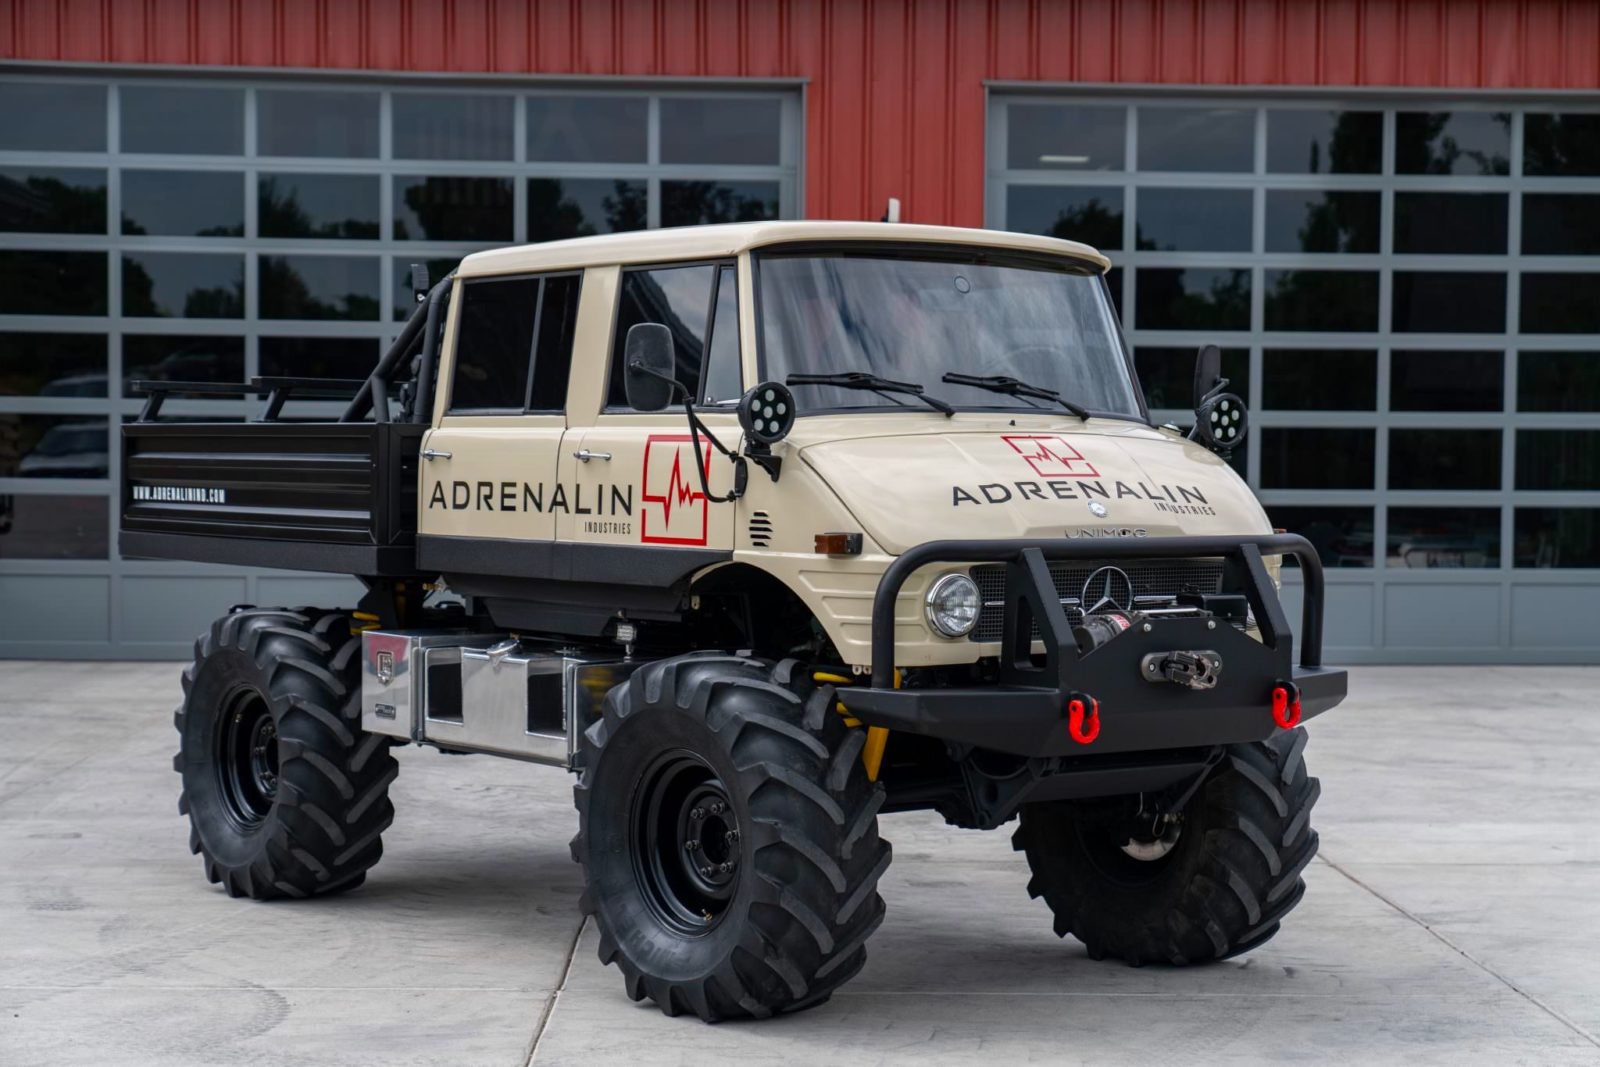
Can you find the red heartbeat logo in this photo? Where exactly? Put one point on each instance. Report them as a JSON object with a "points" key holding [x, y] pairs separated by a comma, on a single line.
{"points": [[677, 495], [1050, 457]]}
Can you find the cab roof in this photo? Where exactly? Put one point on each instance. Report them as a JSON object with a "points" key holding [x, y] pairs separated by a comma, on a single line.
{"points": [[722, 241]]}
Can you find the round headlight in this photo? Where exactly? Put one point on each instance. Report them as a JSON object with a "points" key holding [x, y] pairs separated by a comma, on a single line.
{"points": [[952, 605]]}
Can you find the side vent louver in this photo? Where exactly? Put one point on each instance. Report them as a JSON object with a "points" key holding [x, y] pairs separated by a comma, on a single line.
{"points": [[760, 529]]}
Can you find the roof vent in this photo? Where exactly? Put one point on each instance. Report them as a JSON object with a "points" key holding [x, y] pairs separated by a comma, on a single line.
{"points": [[760, 529]]}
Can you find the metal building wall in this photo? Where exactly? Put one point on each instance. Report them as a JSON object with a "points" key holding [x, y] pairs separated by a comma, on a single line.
{"points": [[895, 88]]}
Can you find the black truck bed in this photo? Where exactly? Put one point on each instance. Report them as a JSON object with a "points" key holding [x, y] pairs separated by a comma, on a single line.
{"points": [[320, 496]]}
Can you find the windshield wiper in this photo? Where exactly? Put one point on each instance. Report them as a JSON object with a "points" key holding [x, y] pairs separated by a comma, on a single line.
{"points": [[856, 379], [1000, 383]]}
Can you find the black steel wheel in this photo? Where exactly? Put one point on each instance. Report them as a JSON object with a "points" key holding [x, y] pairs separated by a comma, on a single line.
{"points": [[286, 796], [1205, 885], [729, 837]]}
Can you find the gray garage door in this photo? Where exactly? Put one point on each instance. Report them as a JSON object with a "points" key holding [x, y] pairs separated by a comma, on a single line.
{"points": [[1408, 291], [218, 230]]}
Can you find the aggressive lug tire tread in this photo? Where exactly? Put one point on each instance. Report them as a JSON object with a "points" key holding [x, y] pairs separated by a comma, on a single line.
{"points": [[1233, 875], [807, 900], [324, 829]]}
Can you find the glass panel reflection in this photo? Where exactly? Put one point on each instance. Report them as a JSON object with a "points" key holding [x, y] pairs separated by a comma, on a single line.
{"points": [[452, 126], [694, 203], [1557, 537], [56, 446], [43, 282], [1560, 224], [452, 209], [724, 130], [1167, 375], [1557, 460], [1560, 303], [318, 205], [1452, 142], [1450, 223], [48, 116], [1342, 536], [579, 207], [1558, 381], [1194, 220], [319, 287], [1065, 137], [1444, 459], [1304, 141], [1424, 380], [318, 357], [1317, 458], [181, 358], [1319, 379], [183, 203], [1333, 300], [1197, 138], [174, 119], [1192, 299], [1449, 302], [1091, 214], [588, 129], [52, 364], [329, 123], [183, 285], [1557, 145], [1424, 538], [54, 527], [52, 200], [1314, 220]]}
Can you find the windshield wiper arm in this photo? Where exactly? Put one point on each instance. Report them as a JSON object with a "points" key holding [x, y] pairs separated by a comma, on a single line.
{"points": [[1000, 383], [856, 379]]}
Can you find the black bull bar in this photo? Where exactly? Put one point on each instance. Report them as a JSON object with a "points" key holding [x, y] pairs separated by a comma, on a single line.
{"points": [[1039, 703]]}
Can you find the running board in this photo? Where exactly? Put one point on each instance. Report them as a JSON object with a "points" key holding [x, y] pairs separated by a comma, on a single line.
{"points": [[473, 692]]}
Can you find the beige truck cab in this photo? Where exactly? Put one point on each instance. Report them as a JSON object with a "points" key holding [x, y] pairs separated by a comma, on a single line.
{"points": [[764, 531]]}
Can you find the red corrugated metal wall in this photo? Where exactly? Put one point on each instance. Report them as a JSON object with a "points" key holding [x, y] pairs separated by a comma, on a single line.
{"points": [[895, 87]]}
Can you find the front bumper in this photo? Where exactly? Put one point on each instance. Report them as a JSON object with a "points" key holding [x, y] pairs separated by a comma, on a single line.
{"points": [[1031, 711]]}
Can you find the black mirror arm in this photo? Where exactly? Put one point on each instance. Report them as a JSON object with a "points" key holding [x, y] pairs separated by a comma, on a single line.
{"points": [[741, 474]]}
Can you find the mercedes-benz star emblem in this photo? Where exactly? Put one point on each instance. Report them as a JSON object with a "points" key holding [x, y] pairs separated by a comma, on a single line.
{"points": [[1108, 587], [1098, 508]]}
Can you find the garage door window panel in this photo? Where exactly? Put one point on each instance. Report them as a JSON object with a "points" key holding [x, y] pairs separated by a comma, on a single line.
{"points": [[559, 208], [1558, 460], [53, 364], [1342, 536], [1310, 141], [1044, 136], [46, 282], [317, 123], [467, 126], [443, 208], [51, 526], [1090, 214], [51, 116], [321, 206], [1192, 299], [1433, 380], [1444, 459], [1319, 379], [319, 287], [1425, 538], [183, 203], [1457, 224], [318, 357], [1316, 458], [1561, 144], [36, 199], [1449, 302], [1560, 303], [1196, 139], [1327, 301], [1452, 142], [1558, 381], [179, 285], [1167, 375], [1316, 220], [1557, 537], [181, 357]]}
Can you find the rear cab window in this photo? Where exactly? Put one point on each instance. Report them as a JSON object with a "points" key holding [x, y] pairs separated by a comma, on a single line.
{"points": [[699, 303], [513, 349]]}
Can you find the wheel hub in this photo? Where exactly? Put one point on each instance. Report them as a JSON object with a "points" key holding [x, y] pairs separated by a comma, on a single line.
{"points": [[247, 759], [687, 842]]}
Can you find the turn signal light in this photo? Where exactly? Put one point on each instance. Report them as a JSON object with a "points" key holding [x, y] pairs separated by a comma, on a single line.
{"points": [[838, 544]]}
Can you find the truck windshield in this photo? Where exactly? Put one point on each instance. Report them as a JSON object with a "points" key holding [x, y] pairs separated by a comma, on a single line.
{"points": [[915, 316]]}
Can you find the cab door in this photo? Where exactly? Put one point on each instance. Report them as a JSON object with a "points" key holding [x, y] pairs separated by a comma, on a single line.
{"points": [[488, 468], [633, 474]]}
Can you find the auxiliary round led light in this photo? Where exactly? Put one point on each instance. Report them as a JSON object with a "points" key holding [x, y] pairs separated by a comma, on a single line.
{"points": [[767, 413], [952, 605]]}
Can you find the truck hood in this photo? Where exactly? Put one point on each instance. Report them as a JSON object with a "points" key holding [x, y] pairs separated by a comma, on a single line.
{"points": [[993, 481]]}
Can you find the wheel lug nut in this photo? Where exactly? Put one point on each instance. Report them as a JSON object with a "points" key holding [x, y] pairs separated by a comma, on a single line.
{"points": [[725, 868], [707, 871], [717, 808], [697, 814], [731, 836], [690, 846]]}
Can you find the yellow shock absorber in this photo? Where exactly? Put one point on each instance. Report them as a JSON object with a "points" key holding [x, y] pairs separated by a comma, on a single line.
{"points": [[367, 620], [877, 736]]}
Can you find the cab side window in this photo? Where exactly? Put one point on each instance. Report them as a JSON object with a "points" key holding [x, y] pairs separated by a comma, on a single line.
{"points": [[704, 332], [514, 345]]}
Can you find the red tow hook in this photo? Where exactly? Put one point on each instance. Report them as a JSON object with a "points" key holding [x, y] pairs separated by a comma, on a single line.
{"points": [[1083, 732], [1286, 705]]}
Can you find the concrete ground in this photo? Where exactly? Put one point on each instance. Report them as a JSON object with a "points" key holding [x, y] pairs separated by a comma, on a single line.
{"points": [[1453, 915]]}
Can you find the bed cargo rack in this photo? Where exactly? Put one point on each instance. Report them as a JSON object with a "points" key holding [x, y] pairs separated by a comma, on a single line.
{"points": [[336, 495]]}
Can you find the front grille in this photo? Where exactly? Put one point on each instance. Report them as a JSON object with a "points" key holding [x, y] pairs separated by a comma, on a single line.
{"points": [[1163, 578]]}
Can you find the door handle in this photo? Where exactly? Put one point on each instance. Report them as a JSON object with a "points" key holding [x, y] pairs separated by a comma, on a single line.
{"points": [[434, 453], [583, 455]]}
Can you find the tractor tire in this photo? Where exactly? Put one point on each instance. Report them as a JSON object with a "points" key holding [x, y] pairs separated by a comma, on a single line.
{"points": [[286, 796], [1221, 887], [729, 837]]}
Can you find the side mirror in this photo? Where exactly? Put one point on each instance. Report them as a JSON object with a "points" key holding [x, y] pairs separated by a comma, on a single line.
{"points": [[1220, 418], [766, 413], [647, 367]]}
